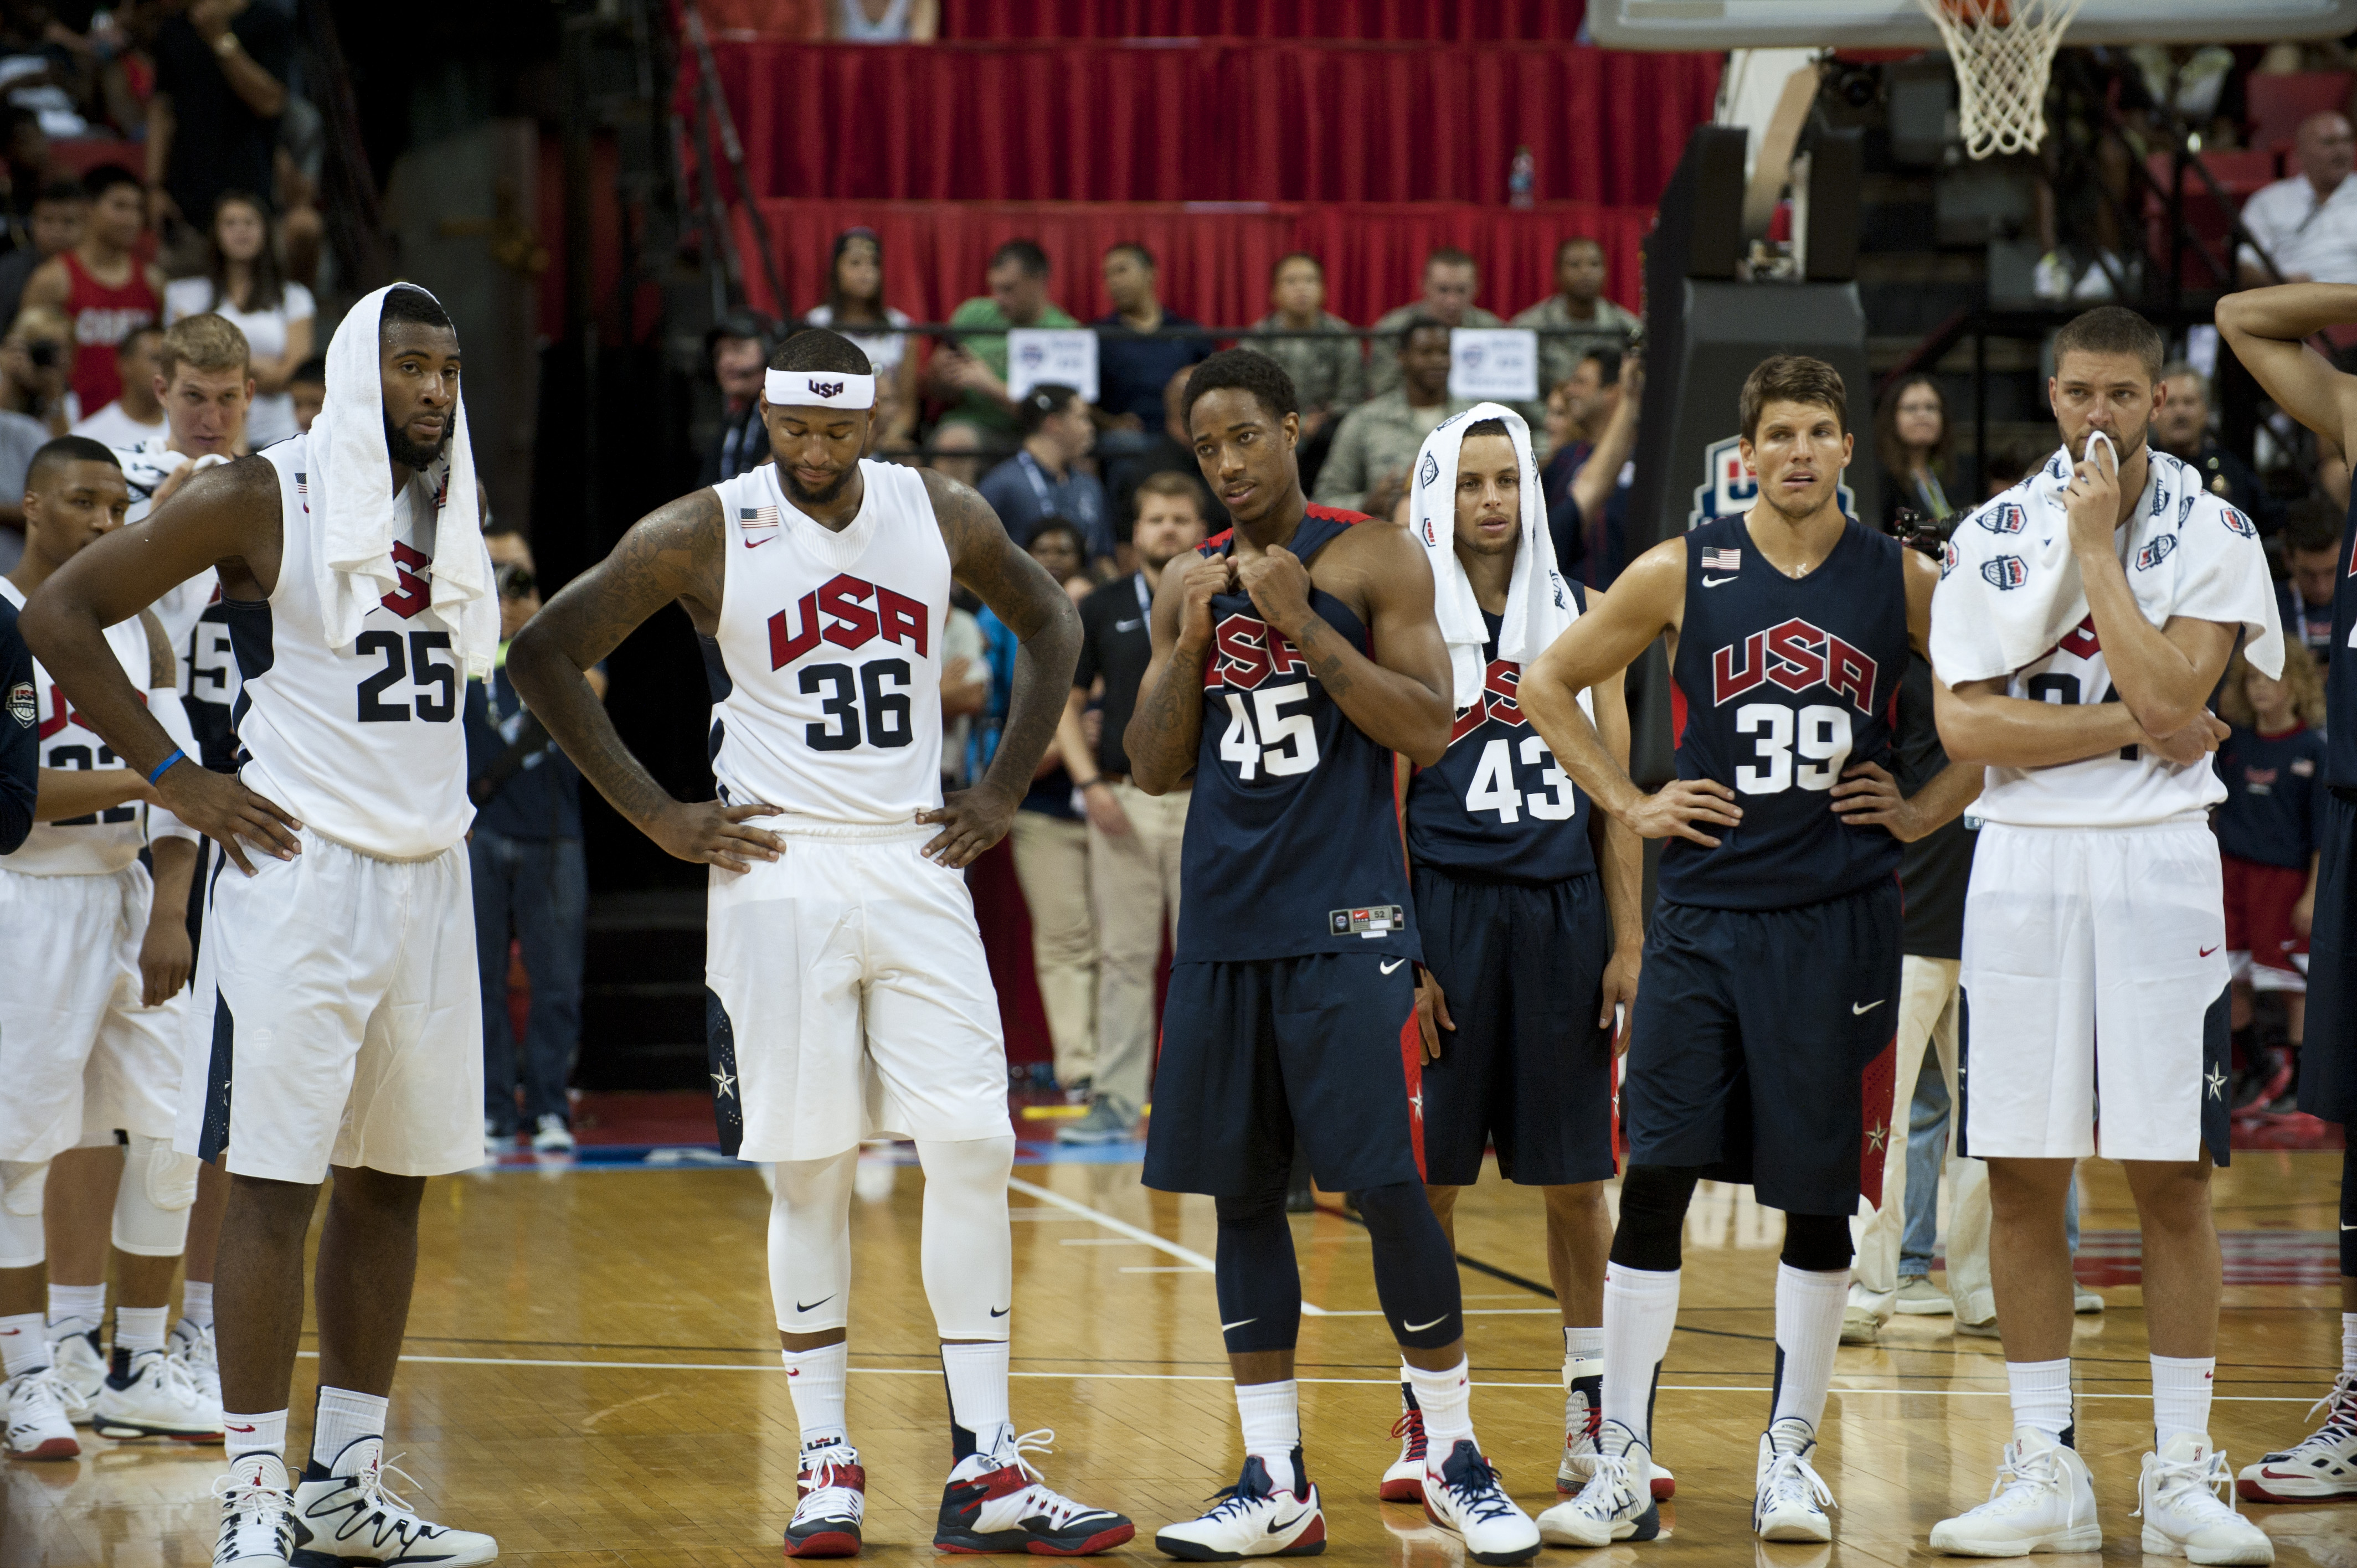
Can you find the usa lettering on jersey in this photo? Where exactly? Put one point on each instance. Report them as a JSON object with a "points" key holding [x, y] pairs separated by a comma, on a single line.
{"points": [[1246, 652], [838, 613], [1501, 700], [1798, 656]]}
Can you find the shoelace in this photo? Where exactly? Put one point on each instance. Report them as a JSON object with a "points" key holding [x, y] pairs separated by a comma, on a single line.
{"points": [[1790, 1474], [2035, 1468], [253, 1503], [1059, 1510], [197, 1349], [2204, 1477], [819, 1471], [2341, 1408], [375, 1494], [1410, 1426], [175, 1378], [1480, 1493], [1605, 1484]]}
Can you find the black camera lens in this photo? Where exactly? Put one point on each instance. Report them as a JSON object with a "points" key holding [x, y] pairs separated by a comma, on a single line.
{"points": [[43, 352]]}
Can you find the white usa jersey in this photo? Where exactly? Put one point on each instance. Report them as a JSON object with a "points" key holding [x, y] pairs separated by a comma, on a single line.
{"points": [[362, 744], [826, 672], [104, 842]]}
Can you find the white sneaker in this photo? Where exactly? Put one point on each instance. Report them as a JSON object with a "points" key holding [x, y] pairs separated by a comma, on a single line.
{"points": [[1463, 1495], [257, 1530], [1790, 1497], [1251, 1519], [1617, 1504], [2319, 1467], [33, 1409], [1860, 1325], [2184, 1514], [343, 1515], [198, 1355], [831, 1501], [1404, 1480], [154, 1396], [82, 1371], [997, 1502], [2043, 1501], [552, 1137], [2084, 1301], [1583, 1420]]}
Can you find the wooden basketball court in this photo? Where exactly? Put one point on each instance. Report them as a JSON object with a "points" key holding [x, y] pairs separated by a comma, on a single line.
{"points": [[592, 1376]]}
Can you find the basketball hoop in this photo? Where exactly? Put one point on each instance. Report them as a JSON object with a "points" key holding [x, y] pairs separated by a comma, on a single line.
{"points": [[2003, 49]]}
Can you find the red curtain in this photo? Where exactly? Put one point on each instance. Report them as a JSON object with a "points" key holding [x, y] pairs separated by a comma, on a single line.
{"points": [[1214, 261], [1403, 21], [1211, 121]]}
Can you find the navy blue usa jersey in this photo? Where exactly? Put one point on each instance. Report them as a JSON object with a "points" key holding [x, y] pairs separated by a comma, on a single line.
{"points": [[1781, 684], [2274, 791], [2340, 678], [1293, 845], [1496, 808]]}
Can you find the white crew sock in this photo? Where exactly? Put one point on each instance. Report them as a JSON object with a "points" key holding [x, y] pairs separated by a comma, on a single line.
{"points": [[1583, 1343], [1808, 1327], [344, 1418], [977, 1378], [1446, 1400], [197, 1302], [2041, 1394], [815, 1379], [1640, 1311], [1270, 1414], [254, 1433], [84, 1304], [2348, 1342], [138, 1328], [24, 1344], [2181, 1396]]}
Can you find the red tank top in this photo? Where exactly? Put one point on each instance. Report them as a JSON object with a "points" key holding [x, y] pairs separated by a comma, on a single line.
{"points": [[102, 317]]}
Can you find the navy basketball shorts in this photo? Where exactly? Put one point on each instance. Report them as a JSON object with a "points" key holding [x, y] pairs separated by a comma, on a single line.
{"points": [[1257, 1053], [1753, 1028], [2328, 1061], [1522, 971]]}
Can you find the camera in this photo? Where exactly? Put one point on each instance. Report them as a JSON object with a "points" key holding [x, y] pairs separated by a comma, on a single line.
{"points": [[43, 352]]}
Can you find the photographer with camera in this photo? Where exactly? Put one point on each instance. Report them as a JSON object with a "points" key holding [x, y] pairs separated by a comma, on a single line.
{"points": [[33, 360]]}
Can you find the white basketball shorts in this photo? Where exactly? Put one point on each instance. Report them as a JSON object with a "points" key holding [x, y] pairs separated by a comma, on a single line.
{"points": [[848, 998], [2096, 993], [337, 1018], [78, 1053]]}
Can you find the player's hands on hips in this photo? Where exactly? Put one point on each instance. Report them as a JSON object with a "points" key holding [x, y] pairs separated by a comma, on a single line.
{"points": [[229, 813], [1279, 586], [2192, 744], [1672, 811], [2094, 503], [1431, 1012], [710, 833], [1206, 576], [1868, 797], [166, 957], [972, 820], [1621, 992]]}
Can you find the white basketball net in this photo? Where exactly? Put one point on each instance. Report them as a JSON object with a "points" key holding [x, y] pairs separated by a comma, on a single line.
{"points": [[2001, 66]]}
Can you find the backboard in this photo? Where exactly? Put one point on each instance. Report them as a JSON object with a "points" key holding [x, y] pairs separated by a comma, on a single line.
{"points": [[1901, 24]]}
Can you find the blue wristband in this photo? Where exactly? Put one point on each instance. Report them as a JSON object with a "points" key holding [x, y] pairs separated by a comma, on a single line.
{"points": [[177, 756]]}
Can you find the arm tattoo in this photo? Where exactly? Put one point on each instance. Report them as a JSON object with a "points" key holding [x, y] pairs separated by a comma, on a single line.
{"points": [[1316, 644]]}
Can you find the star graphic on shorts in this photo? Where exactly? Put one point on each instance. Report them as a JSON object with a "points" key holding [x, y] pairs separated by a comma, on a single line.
{"points": [[1875, 1136], [1416, 1104], [2217, 1081], [724, 1085]]}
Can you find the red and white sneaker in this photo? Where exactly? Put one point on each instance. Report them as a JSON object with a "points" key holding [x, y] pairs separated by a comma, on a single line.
{"points": [[831, 1497], [33, 1412], [997, 1502], [1403, 1481], [1583, 1423], [2319, 1467]]}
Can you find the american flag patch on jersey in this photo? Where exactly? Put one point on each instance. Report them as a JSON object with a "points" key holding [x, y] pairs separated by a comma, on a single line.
{"points": [[757, 524], [1728, 560]]}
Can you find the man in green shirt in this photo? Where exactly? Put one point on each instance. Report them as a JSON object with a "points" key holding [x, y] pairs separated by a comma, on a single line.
{"points": [[973, 370], [1450, 282], [1376, 444], [1577, 302]]}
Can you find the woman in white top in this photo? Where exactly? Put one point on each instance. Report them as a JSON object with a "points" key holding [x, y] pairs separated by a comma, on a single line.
{"points": [[246, 284], [855, 298]]}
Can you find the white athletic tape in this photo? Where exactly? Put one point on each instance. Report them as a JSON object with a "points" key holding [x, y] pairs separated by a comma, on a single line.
{"points": [[821, 388], [151, 1206]]}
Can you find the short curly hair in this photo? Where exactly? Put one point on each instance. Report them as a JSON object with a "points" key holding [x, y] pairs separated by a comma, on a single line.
{"points": [[1245, 370]]}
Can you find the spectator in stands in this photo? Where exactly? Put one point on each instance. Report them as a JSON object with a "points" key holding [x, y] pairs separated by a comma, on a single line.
{"points": [[2180, 426], [55, 225], [1912, 439], [524, 852], [957, 450], [1583, 318], [100, 284], [1375, 447], [1133, 368], [884, 21], [2312, 552], [31, 380], [1043, 479], [212, 122], [739, 348], [1450, 282], [2307, 223], [972, 369], [138, 415], [1586, 483], [1173, 452], [855, 298], [308, 389], [1133, 838], [1329, 371], [243, 283]]}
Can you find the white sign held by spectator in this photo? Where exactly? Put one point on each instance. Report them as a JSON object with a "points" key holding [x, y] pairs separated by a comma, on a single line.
{"points": [[1496, 362], [1057, 356]]}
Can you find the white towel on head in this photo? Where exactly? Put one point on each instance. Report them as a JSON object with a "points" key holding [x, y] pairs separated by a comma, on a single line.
{"points": [[351, 494], [1538, 602], [2010, 588]]}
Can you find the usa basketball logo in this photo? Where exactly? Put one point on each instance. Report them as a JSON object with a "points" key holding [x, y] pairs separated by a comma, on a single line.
{"points": [[22, 706], [2005, 572], [2154, 554], [2005, 518], [825, 389], [1431, 469], [2238, 522], [1730, 486], [1948, 558]]}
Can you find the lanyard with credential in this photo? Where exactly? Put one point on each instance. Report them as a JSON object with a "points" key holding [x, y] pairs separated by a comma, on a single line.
{"points": [[1039, 485], [1145, 598]]}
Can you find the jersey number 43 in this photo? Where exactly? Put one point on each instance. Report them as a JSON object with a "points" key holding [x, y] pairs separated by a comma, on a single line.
{"points": [[1494, 788]]}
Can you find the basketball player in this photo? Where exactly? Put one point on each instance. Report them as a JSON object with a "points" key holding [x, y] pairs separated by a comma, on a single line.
{"points": [[842, 950], [357, 588], [93, 1046], [1521, 973], [2267, 329], [1291, 655], [2084, 616], [1772, 970]]}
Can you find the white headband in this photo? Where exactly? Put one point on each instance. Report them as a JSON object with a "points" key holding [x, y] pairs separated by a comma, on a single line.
{"points": [[823, 389]]}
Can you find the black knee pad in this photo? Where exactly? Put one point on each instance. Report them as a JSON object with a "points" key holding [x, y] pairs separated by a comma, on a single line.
{"points": [[1257, 1278], [1653, 1201], [1415, 1271], [1818, 1244]]}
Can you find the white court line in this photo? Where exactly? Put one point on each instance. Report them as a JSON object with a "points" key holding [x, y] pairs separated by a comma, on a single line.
{"points": [[1135, 1232]]}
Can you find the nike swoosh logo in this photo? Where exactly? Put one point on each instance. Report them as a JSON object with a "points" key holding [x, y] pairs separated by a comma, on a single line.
{"points": [[1394, 964], [1715, 582], [1857, 1011], [1129, 625], [232, 1426], [1000, 1311], [1239, 1324], [812, 1305], [2208, 950], [757, 544], [1279, 1527], [1420, 1327]]}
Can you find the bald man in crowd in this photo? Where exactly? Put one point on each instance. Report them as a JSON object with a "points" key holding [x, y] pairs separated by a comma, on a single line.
{"points": [[2308, 224]]}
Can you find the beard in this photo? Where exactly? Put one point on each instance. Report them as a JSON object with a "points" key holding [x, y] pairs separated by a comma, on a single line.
{"points": [[2125, 446], [826, 495], [414, 456]]}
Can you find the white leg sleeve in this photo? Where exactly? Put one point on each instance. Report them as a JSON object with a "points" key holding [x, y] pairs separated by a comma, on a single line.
{"points": [[969, 1256], [151, 1206], [21, 1186], [810, 1242]]}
